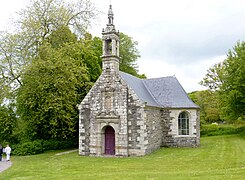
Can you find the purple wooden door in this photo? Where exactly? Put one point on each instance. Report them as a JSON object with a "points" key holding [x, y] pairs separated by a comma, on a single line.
{"points": [[109, 141]]}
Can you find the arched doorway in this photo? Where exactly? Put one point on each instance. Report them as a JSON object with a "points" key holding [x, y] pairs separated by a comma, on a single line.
{"points": [[109, 141]]}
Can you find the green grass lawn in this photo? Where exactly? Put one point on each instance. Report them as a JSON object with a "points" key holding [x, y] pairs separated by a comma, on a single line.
{"points": [[219, 157]]}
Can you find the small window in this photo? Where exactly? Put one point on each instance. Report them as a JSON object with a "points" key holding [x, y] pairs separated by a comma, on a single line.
{"points": [[183, 123], [108, 47]]}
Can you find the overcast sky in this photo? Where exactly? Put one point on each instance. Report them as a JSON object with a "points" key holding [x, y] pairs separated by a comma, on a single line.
{"points": [[176, 37]]}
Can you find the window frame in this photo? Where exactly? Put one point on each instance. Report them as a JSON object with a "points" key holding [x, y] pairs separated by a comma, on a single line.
{"points": [[184, 123]]}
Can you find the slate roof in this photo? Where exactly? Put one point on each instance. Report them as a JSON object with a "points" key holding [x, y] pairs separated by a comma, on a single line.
{"points": [[165, 92]]}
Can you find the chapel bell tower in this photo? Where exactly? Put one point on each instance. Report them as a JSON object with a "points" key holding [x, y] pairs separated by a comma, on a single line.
{"points": [[110, 38]]}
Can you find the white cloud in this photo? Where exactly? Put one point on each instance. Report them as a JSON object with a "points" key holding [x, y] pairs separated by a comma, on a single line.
{"points": [[178, 37], [189, 75], [8, 11]]}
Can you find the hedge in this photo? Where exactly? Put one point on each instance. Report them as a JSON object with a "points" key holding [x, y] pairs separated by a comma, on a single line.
{"points": [[215, 130], [39, 146]]}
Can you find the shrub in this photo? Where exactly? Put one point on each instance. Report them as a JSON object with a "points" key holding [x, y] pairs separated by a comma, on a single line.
{"points": [[50, 145], [220, 129], [208, 129], [240, 121], [241, 131], [28, 148], [55, 144], [39, 146]]}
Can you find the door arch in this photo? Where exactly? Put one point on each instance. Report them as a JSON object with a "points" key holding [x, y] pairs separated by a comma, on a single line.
{"points": [[109, 141]]}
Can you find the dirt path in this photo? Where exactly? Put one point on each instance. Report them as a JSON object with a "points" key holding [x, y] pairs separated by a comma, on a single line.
{"points": [[4, 165], [66, 152]]}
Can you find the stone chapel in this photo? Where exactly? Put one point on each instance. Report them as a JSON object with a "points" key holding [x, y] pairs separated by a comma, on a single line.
{"points": [[123, 115]]}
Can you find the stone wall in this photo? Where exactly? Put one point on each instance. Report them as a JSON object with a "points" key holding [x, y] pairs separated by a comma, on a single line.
{"points": [[84, 131], [136, 127], [105, 105], [167, 137], [197, 127], [154, 129], [173, 139]]}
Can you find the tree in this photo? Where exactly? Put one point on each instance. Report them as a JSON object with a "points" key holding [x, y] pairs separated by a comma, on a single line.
{"points": [[50, 68], [129, 55], [208, 101], [53, 84], [17, 51], [43, 17], [8, 122], [214, 77], [61, 36], [13, 57], [232, 91], [91, 53], [229, 81], [35, 23]]}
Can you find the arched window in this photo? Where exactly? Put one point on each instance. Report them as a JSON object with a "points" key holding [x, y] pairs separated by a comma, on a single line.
{"points": [[183, 123]]}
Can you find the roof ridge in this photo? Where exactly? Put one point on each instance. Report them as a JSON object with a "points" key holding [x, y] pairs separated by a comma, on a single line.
{"points": [[161, 77]]}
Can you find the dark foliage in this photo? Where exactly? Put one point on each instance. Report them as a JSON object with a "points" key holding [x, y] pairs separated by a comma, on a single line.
{"points": [[39, 146]]}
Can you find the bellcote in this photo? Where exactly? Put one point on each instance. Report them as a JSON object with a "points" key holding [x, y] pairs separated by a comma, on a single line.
{"points": [[110, 38]]}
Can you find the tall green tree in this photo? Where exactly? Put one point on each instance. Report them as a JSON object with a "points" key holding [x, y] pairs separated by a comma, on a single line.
{"points": [[60, 37], [8, 122], [42, 17], [215, 77], [229, 80], [129, 55], [208, 101], [52, 86], [34, 24], [13, 59], [232, 91], [91, 53], [49, 69]]}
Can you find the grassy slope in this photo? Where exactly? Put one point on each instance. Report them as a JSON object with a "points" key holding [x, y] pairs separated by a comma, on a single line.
{"points": [[219, 157]]}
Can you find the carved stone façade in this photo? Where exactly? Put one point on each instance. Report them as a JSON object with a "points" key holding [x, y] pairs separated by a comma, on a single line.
{"points": [[126, 116]]}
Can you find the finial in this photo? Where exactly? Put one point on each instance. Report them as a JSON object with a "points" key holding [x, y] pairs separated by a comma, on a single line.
{"points": [[110, 15]]}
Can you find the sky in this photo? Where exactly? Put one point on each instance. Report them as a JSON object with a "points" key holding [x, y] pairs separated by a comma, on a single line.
{"points": [[175, 37]]}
